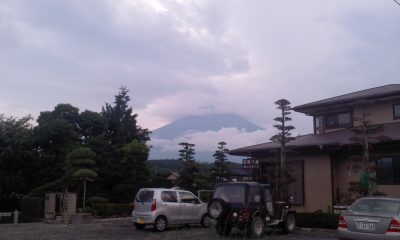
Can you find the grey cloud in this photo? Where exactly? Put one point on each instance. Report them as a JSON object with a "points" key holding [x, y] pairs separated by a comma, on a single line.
{"points": [[235, 56]]}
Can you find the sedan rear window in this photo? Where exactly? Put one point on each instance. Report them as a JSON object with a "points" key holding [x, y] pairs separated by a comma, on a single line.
{"points": [[379, 206], [144, 196]]}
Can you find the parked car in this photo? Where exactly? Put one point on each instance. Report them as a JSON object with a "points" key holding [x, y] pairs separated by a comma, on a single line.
{"points": [[371, 218], [249, 205], [162, 207]]}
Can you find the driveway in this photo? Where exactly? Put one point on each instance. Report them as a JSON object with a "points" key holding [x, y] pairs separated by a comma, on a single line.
{"points": [[122, 228]]}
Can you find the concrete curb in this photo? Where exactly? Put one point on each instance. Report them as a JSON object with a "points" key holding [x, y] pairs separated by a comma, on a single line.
{"points": [[316, 230]]}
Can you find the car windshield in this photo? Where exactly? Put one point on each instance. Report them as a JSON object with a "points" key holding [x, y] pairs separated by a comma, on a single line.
{"points": [[230, 193], [144, 196], [378, 206]]}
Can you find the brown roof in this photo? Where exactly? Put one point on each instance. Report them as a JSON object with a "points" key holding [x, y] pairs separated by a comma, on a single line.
{"points": [[372, 93], [173, 176], [336, 138]]}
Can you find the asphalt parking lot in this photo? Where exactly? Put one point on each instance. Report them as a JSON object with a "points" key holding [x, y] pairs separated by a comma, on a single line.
{"points": [[124, 229]]}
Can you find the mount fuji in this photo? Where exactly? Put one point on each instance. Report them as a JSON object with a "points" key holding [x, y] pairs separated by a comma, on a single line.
{"points": [[203, 131]]}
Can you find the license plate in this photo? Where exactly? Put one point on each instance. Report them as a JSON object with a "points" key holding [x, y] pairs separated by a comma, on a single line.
{"points": [[141, 220], [366, 225]]}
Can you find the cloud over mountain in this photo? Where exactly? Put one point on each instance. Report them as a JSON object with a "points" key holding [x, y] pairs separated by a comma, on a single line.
{"points": [[205, 132]]}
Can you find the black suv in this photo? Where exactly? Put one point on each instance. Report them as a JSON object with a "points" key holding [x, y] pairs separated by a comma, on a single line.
{"points": [[250, 206]]}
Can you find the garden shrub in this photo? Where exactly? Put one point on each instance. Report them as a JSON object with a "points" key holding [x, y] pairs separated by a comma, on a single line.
{"points": [[90, 210], [317, 220], [111, 209], [33, 207], [96, 200]]}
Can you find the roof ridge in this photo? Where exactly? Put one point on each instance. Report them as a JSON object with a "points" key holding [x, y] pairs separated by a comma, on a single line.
{"points": [[352, 93]]}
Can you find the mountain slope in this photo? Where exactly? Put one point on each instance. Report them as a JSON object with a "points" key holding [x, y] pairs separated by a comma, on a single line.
{"points": [[174, 132], [212, 122]]}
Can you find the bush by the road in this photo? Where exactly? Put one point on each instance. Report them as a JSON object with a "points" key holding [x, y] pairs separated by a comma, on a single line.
{"points": [[110, 209], [317, 220], [96, 200], [33, 207]]}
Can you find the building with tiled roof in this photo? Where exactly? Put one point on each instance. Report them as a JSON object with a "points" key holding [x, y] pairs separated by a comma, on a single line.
{"points": [[322, 161]]}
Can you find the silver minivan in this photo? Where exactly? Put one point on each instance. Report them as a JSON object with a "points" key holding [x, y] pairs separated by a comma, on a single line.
{"points": [[161, 207]]}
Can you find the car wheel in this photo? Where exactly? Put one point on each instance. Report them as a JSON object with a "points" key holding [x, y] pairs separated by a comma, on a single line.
{"points": [[223, 228], [289, 224], [205, 221], [160, 224], [139, 226], [217, 208], [256, 228]]}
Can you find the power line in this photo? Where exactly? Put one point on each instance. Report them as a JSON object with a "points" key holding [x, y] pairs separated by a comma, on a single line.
{"points": [[397, 2]]}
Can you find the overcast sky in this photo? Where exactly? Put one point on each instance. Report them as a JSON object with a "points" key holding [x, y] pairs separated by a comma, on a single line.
{"points": [[187, 57]]}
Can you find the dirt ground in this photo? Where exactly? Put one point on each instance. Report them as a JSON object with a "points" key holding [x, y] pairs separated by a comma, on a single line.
{"points": [[122, 228]]}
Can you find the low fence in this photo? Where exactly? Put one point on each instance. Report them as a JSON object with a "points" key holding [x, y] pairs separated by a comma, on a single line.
{"points": [[9, 217]]}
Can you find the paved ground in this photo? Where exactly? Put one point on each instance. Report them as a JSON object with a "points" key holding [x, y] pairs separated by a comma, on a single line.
{"points": [[124, 229]]}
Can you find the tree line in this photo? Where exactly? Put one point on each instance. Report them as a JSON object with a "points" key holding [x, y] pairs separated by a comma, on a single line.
{"points": [[66, 146], [107, 151], [67, 149]]}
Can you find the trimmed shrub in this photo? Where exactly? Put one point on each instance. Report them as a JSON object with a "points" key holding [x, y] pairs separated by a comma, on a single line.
{"points": [[111, 209], [33, 207], [96, 200], [90, 210], [317, 220]]}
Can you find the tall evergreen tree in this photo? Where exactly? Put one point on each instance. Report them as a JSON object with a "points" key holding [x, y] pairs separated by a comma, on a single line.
{"points": [[281, 172], [190, 167], [221, 164], [136, 172], [123, 126], [187, 153], [122, 130]]}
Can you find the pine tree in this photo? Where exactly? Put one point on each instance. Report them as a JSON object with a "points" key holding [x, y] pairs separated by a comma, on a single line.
{"points": [[190, 167], [281, 173], [221, 164]]}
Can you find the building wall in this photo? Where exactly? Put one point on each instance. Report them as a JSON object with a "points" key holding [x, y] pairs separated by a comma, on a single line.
{"points": [[317, 183], [381, 112], [390, 190], [342, 175]]}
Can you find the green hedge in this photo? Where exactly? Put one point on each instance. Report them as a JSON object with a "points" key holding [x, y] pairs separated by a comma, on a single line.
{"points": [[317, 220], [110, 209], [33, 207], [96, 200]]}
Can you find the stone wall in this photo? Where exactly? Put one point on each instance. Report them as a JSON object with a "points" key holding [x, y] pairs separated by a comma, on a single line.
{"points": [[66, 204], [69, 206]]}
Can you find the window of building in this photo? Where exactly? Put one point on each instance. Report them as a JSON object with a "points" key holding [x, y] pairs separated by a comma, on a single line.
{"points": [[396, 111], [338, 120], [390, 170]]}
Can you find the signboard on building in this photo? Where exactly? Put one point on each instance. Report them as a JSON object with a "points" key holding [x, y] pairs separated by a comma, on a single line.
{"points": [[251, 163]]}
